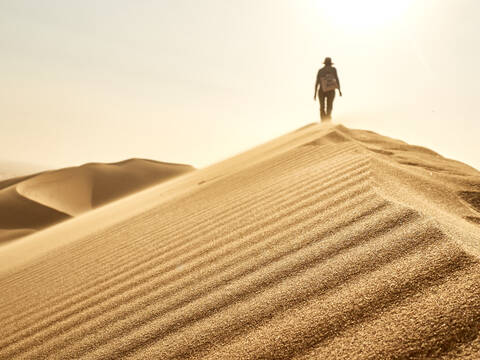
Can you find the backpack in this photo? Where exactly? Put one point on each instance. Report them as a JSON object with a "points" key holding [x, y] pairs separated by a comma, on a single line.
{"points": [[328, 82]]}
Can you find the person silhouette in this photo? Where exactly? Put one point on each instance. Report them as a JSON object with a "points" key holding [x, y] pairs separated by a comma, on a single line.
{"points": [[327, 82]]}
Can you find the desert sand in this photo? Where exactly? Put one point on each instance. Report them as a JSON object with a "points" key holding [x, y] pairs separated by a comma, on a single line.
{"points": [[325, 243], [32, 202]]}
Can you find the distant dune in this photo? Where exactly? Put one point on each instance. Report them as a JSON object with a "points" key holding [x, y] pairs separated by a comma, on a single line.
{"points": [[33, 202], [326, 243]]}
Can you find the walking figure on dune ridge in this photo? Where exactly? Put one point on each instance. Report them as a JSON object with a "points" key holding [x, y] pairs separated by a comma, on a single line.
{"points": [[327, 82]]}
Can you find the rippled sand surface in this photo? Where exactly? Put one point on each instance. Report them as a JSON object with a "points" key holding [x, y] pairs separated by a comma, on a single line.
{"points": [[326, 243]]}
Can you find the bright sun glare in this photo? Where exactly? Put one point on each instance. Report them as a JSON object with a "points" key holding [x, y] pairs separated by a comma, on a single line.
{"points": [[365, 14]]}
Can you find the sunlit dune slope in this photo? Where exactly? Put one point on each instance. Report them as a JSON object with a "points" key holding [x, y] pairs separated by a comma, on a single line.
{"points": [[36, 201], [326, 243]]}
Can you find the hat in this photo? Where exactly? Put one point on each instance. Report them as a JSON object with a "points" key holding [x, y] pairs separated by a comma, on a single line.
{"points": [[328, 61]]}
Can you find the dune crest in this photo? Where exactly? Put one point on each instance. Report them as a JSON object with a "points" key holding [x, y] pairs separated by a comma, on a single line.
{"points": [[325, 243], [37, 201]]}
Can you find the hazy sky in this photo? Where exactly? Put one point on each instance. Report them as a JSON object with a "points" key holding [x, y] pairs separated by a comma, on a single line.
{"points": [[197, 81]]}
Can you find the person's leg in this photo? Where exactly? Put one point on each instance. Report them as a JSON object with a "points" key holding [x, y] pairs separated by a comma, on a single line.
{"points": [[330, 97], [321, 98]]}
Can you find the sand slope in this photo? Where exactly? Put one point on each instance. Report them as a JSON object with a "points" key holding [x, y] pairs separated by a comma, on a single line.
{"points": [[33, 202], [326, 243]]}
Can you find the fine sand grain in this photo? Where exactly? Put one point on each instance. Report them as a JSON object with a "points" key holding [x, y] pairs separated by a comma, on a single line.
{"points": [[326, 243]]}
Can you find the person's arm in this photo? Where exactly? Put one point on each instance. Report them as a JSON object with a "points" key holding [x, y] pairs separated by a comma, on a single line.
{"points": [[316, 88], [338, 82]]}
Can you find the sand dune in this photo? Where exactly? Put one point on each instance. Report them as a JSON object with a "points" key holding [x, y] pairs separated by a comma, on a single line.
{"points": [[326, 243], [33, 202]]}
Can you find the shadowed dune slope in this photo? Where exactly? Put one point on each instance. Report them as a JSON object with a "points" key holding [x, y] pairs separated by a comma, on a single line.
{"points": [[36, 201], [326, 243]]}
